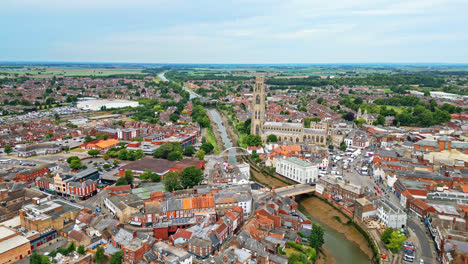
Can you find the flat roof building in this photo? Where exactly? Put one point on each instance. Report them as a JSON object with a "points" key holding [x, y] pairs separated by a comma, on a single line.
{"points": [[97, 105]]}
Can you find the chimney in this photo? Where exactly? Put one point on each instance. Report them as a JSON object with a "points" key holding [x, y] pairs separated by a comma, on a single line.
{"points": [[466, 258]]}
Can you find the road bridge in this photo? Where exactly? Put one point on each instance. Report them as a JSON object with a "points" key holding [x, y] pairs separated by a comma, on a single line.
{"points": [[294, 190]]}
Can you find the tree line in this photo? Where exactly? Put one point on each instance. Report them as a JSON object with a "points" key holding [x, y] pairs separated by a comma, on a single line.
{"points": [[373, 80]]}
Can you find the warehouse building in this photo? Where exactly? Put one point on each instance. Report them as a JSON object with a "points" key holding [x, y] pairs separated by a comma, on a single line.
{"points": [[97, 105]]}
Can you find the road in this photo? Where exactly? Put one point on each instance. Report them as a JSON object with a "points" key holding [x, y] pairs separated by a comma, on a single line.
{"points": [[426, 246]]}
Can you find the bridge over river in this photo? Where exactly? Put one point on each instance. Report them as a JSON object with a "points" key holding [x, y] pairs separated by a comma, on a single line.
{"points": [[293, 190]]}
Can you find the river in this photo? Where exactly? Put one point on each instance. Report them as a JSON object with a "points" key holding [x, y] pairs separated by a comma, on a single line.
{"points": [[342, 250], [223, 133], [192, 94]]}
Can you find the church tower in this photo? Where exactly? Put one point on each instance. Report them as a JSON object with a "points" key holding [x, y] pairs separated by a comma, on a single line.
{"points": [[258, 107]]}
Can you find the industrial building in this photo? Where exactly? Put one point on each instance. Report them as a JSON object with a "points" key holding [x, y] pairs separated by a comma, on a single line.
{"points": [[97, 105]]}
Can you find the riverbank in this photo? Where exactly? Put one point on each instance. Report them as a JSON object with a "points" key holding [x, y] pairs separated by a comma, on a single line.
{"points": [[213, 135], [335, 220]]}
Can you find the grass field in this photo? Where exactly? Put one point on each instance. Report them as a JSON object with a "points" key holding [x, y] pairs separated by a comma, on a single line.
{"points": [[387, 90], [78, 150], [396, 108], [210, 137]]}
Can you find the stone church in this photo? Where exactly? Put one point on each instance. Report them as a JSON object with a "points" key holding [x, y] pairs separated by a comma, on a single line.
{"points": [[292, 132]]}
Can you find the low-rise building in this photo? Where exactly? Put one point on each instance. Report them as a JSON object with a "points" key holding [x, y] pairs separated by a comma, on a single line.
{"points": [[297, 170], [391, 215], [38, 149], [13, 246], [171, 254], [42, 216]]}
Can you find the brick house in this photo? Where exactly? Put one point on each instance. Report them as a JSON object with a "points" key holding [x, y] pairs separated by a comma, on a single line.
{"points": [[30, 175], [200, 247], [14, 246]]}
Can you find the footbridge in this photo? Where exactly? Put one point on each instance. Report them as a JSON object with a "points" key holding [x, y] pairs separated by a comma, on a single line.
{"points": [[229, 152], [294, 190]]}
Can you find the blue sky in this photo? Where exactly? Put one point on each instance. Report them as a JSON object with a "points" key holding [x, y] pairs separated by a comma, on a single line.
{"points": [[242, 31]]}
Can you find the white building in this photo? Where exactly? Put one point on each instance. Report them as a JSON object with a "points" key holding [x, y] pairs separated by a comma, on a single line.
{"points": [[324, 163], [449, 96], [391, 215], [245, 202], [97, 105], [297, 170], [348, 142]]}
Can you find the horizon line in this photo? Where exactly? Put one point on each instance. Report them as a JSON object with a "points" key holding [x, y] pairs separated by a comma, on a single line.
{"points": [[207, 63]]}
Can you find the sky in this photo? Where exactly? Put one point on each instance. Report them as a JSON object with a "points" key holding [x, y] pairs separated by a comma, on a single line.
{"points": [[242, 31]]}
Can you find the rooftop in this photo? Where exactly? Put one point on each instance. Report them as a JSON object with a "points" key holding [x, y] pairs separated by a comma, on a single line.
{"points": [[299, 162]]}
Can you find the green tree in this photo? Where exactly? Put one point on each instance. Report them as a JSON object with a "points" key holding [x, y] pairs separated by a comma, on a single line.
{"points": [[121, 181], [174, 117], [71, 247], [116, 258], [172, 181], [207, 147], [272, 138], [189, 150], [139, 154], [358, 100], [343, 146], [349, 116], [359, 122], [155, 177], [386, 235], [190, 177], [200, 154], [380, 120], [123, 154], [163, 151], [36, 258], [76, 164], [316, 237], [88, 138], [396, 241], [8, 149], [320, 100], [128, 175], [81, 250], [298, 258], [253, 140], [93, 152], [99, 255], [71, 158], [175, 155], [106, 166]]}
